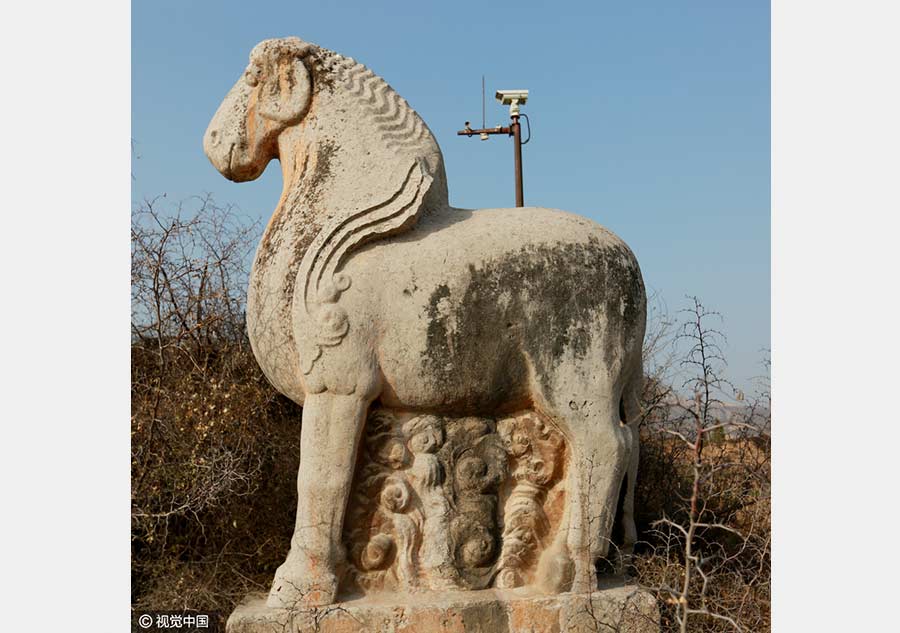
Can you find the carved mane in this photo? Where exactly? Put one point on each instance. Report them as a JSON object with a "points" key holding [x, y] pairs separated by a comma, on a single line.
{"points": [[417, 169], [392, 117]]}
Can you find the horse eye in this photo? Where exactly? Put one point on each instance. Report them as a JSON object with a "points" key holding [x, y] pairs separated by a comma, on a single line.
{"points": [[251, 75]]}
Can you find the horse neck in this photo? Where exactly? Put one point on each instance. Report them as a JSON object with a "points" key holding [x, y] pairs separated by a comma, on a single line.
{"points": [[357, 130]]}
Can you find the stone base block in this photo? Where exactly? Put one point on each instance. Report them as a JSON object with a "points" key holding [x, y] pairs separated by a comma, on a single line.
{"points": [[617, 608]]}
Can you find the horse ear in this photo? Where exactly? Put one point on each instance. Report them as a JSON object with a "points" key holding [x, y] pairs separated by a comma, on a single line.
{"points": [[285, 93]]}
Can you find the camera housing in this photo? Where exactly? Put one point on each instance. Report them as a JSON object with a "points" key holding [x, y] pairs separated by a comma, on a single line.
{"points": [[512, 98], [508, 97]]}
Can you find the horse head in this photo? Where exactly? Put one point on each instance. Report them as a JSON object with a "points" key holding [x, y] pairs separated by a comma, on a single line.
{"points": [[273, 94]]}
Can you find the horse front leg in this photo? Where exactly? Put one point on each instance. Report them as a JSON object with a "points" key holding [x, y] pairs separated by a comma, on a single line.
{"points": [[332, 425]]}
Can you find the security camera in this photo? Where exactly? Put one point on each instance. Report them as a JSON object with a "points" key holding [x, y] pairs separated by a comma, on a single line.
{"points": [[510, 97]]}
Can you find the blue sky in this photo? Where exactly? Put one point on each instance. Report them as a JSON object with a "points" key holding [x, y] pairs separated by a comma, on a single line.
{"points": [[651, 118]]}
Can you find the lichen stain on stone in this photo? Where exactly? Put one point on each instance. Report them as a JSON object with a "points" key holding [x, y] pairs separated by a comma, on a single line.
{"points": [[321, 78], [326, 151], [548, 300]]}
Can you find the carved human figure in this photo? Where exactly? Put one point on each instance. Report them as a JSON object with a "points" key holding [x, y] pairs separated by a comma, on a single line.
{"points": [[395, 499], [426, 435]]}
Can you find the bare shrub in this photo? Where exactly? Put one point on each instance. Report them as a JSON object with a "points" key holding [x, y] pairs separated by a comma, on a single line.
{"points": [[703, 492], [214, 447]]}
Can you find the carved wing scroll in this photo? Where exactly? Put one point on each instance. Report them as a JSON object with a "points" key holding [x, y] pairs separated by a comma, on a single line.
{"points": [[319, 280]]}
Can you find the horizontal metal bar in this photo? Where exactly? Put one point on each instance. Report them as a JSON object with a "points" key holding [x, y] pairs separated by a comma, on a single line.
{"points": [[488, 130]]}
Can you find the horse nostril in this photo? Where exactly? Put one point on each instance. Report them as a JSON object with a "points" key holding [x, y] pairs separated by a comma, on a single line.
{"points": [[214, 137]]}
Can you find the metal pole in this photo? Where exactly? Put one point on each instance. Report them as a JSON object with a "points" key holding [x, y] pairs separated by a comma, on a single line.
{"points": [[516, 130]]}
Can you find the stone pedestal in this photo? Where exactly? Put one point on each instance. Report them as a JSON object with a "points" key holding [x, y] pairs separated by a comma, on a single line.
{"points": [[625, 609]]}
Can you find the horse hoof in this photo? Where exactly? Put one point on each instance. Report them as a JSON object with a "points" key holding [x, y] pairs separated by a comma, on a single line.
{"points": [[293, 589], [555, 572]]}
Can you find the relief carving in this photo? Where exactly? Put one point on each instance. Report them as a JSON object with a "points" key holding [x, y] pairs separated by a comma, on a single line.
{"points": [[537, 452], [444, 503]]}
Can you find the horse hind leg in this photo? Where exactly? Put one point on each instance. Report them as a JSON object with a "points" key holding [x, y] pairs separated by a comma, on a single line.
{"points": [[598, 456]]}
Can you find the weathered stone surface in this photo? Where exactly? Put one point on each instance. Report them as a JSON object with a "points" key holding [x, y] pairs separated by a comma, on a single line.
{"points": [[614, 609], [469, 378]]}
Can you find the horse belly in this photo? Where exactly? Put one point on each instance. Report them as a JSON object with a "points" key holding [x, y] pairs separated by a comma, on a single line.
{"points": [[486, 374]]}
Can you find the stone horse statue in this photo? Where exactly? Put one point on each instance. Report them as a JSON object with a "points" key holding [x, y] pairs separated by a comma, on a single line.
{"points": [[369, 289]]}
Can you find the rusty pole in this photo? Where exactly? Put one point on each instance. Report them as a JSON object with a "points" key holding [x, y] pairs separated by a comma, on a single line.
{"points": [[516, 129]]}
